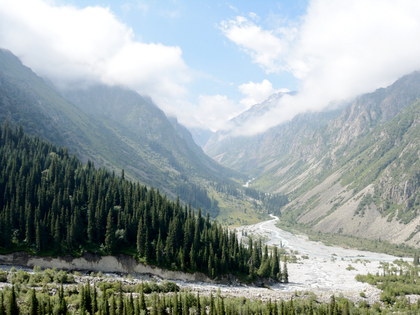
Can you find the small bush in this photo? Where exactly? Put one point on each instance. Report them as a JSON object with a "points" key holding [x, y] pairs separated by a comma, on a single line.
{"points": [[3, 276], [167, 286]]}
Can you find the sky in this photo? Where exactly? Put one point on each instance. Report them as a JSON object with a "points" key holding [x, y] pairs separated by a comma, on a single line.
{"points": [[205, 62]]}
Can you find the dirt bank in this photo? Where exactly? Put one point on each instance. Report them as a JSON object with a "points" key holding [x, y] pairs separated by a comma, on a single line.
{"points": [[91, 262]]}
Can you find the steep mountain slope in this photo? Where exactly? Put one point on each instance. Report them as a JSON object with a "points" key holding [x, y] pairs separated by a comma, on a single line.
{"points": [[263, 153], [117, 128], [200, 136], [138, 120], [358, 164], [28, 100], [374, 191]]}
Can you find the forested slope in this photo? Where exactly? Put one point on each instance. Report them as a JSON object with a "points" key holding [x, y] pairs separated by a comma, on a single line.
{"points": [[53, 204], [117, 128]]}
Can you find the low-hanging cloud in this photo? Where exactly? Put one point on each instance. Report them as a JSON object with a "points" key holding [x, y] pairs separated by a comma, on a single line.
{"points": [[214, 111], [340, 49], [71, 45], [256, 92]]}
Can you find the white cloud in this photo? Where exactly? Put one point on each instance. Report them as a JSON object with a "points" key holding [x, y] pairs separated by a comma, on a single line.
{"points": [[256, 92], [212, 112], [264, 47], [215, 111], [69, 44], [341, 49]]}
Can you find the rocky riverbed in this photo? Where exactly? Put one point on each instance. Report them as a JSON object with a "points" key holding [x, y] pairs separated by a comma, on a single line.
{"points": [[320, 269]]}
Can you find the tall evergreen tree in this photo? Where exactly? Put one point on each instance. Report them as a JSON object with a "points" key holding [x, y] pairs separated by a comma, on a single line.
{"points": [[12, 306], [275, 269], [110, 234], [2, 307], [33, 306], [285, 272], [62, 304]]}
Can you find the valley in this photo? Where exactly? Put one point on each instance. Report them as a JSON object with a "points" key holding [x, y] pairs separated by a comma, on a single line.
{"points": [[241, 157], [354, 170]]}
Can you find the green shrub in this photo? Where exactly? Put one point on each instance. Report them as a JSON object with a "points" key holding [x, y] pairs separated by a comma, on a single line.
{"points": [[167, 286]]}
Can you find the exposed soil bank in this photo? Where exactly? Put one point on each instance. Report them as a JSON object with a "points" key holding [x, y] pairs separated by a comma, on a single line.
{"points": [[91, 262]]}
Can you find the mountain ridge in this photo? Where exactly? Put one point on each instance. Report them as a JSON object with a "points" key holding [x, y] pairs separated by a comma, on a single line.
{"points": [[322, 160], [28, 100]]}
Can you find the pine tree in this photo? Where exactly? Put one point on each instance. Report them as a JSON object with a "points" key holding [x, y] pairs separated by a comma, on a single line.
{"points": [[112, 306], [285, 272], [94, 300], [120, 306], [13, 308], [33, 307], [212, 311], [142, 299], [332, 307], [176, 307], [104, 304], [62, 305], [198, 304], [110, 234], [49, 308], [38, 237], [275, 263], [2, 307], [140, 238], [221, 306]]}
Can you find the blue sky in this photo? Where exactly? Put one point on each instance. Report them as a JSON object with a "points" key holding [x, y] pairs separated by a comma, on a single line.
{"points": [[207, 61], [194, 26]]}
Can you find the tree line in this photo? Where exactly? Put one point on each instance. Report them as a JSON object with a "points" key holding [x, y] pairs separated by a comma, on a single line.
{"points": [[51, 203], [90, 299]]}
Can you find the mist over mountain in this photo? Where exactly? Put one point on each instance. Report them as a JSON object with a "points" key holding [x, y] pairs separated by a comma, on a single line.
{"points": [[114, 127], [354, 170]]}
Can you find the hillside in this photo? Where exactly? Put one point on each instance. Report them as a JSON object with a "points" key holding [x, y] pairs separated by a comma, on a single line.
{"points": [[352, 171], [54, 205], [137, 120], [115, 128]]}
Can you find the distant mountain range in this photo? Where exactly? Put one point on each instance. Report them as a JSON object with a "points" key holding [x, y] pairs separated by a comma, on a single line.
{"points": [[355, 170]]}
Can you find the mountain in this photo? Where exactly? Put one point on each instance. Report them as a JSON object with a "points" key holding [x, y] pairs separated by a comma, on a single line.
{"points": [[200, 135], [30, 101], [354, 170], [259, 110], [115, 128], [156, 138]]}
